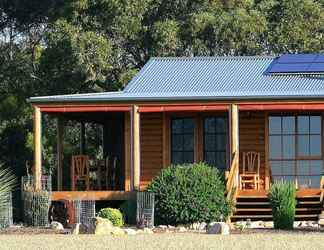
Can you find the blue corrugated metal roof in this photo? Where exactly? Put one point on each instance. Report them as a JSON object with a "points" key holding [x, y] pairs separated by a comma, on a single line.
{"points": [[207, 78]]}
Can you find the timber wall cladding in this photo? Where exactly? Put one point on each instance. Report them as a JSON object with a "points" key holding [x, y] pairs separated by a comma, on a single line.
{"points": [[252, 137], [151, 146]]}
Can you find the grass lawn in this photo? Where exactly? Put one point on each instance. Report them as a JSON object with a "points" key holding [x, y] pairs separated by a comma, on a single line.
{"points": [[178, 241]]}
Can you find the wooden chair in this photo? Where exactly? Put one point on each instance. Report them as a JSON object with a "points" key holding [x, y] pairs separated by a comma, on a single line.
{"points": [[80, 170], [250, 176]]}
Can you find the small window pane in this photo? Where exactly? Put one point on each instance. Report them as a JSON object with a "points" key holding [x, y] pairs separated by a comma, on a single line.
{"points": [[221, 142], [188, 126], [302, 168], [315, 125], [177, 142], [275, 125], [288, 125], [177, 158], [315, 181], [221, 125], [221, 160], [209, 125], [303, 181], [303, 124], [210, 158], [188, 143], [303, 145], [316, 167], [188, 157], [288, 168], [275, 147], [289, 178], [315, 145], [177, 126], [288, 146], [210, 142], [276, 168]]}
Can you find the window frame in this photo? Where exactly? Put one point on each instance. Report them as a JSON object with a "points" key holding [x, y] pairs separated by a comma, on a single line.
{"points": [[182, 134], [226, 134], [297, 158]]}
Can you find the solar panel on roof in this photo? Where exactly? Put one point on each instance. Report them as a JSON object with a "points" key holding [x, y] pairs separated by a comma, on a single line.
{"points": [[297, 64], [282, 68], [316, 67], [295, 58]]}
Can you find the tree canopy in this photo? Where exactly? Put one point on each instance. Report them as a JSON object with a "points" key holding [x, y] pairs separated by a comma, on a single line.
{"points": [[52, 47]]}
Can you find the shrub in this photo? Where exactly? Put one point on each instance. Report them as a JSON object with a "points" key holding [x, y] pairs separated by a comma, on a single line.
{"points": [[189, 193], [112, 214], [128, 208], [7, 184], [282, 197]]}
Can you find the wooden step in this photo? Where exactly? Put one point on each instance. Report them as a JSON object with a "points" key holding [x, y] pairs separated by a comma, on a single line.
{"points": [[301, 209], [253, 210], [308, 203], [262, 216], [252, 203]]}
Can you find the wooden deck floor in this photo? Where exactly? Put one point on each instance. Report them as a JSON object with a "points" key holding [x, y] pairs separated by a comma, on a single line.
{"points": [[93, 195], [264, 193]]}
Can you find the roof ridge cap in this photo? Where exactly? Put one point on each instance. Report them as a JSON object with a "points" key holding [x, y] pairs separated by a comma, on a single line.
{"points": [[214, 57]]}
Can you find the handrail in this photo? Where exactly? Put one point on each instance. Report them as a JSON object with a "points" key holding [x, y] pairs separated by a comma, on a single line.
{"points": [[322, 189], [232, 178]]}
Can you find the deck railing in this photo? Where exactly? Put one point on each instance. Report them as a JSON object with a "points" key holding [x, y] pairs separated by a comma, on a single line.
{"points": [[232, 178], [322, 189]]}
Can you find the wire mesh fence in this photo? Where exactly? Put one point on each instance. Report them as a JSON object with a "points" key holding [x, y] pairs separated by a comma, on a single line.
{"points": [[6, 212], [36, 207], [145, 209], [36, 204], [85, 211], [27, 183]]}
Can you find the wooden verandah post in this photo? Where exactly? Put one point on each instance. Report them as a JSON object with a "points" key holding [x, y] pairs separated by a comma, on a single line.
{"points": [[37, 148], [136, 149], [234, 142], [60, 131]]}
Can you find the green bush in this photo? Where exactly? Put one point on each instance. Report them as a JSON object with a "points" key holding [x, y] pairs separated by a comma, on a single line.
{"points": [[112, 214], [282, 197], [189, 193], [128, 208]]}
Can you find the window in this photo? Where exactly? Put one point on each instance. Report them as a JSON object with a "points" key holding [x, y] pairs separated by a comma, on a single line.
{"points": [[182, 140], [215, 141], [295, 149]]}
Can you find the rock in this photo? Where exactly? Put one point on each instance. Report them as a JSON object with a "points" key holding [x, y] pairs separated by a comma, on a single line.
{"points": [[321, 222], [256, 224], [202, 226], [241, 225], [218, 228], [56, 225], [130, 231], [75, 229], [296, 223], [195, 226], [268, 224], [302, 224], [182, 229], [147, 230], [103, 226], [117, 231], [162, 227]]}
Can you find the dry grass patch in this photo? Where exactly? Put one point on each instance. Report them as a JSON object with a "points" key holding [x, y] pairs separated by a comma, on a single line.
{"points": [[277, 241]]}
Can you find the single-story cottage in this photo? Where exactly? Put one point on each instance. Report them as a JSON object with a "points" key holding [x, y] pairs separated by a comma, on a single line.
{"points": [[257, 119]]}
